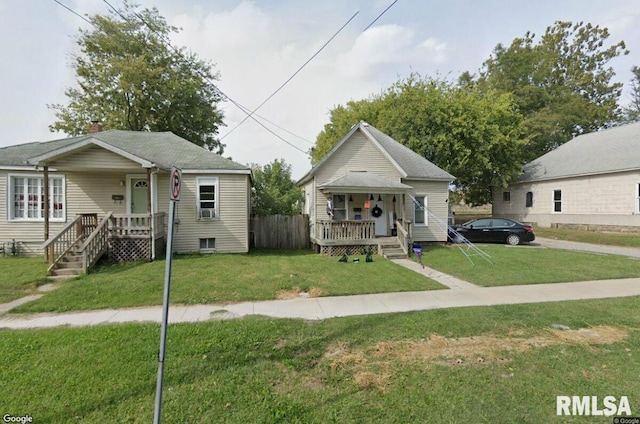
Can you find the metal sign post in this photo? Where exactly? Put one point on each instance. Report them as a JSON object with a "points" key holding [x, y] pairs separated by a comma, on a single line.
{"points": [[175, 184]]}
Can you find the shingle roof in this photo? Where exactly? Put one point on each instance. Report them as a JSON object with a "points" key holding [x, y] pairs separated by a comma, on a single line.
{"points": [[164, 149], [613, 150], [364, 180], [408, 162]]}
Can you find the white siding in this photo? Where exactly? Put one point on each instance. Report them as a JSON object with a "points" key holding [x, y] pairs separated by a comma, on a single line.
{"points": [[356, 154], [437, 193], [230, 228], [608, 199]]}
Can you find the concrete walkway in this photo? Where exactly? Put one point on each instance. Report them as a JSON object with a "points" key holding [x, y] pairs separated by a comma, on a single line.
{"points": [[460, 294]]}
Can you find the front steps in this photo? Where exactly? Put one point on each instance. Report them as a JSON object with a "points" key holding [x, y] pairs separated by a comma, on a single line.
{"points": [[391, 249], [69, 267]]}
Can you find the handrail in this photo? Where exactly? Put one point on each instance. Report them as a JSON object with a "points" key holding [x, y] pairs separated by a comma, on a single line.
{"points": [[59, 245], [345, 230], [403, 236], [96, 243]]}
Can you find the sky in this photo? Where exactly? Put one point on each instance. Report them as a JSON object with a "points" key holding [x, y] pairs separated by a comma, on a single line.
{"points": [[257, 45]]}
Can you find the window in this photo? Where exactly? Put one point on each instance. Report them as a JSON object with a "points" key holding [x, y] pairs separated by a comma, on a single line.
{"points": [[420, 211], [506, 196], [207, 201], [339, 207], [529, 199], [557, 200], [638, 198], [207, 245], [27, 198]]}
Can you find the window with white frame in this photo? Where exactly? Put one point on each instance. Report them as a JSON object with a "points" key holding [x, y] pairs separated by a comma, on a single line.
{"points": [[557, 201], [26, 198], [207, 245], [207, 199], [420, 214]]}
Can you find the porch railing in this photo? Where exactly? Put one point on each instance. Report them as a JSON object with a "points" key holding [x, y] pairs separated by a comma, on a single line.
{"points": [[137, 226], [96, 244], [60, 244], [404, 237], [345, 230]]}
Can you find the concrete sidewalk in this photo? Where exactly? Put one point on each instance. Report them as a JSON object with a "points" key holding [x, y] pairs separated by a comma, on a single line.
{"points": [[330, 307]]}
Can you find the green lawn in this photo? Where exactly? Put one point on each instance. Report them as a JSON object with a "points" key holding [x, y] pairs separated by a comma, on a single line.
{"points": [[528, 265], [20, 276], [228, 278], [501, 364], [612, 239]]}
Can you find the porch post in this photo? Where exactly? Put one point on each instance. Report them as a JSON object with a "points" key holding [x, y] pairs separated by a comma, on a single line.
{"points": [[46, 208], [150, 212]]}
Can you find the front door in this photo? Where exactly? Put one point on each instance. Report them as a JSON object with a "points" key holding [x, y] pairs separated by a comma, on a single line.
{"points": [[379, 216], [139, 195]]}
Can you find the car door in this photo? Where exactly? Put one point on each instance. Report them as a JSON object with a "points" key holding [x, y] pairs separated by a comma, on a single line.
{"points": [[500, 229], [479, 230]]}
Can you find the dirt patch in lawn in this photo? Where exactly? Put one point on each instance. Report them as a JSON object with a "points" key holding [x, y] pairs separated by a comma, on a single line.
{"points": [[298, 292], [372, 366]]}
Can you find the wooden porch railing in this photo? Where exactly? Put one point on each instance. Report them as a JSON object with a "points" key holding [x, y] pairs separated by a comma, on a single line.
{"points": [[96, 244], [130, 226], [345, 230], [60, 244], [404, 234]]}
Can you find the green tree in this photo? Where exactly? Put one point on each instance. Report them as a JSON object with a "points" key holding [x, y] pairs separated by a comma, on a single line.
{"points": [[274, 192], [631, 112], [561, 83], [129, 78], [475, 135]]}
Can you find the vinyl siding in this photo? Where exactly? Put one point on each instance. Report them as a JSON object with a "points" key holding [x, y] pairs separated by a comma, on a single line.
{"points": [[95, 158], [437, 193], [230, 229], [608, 199], [356, 154]]}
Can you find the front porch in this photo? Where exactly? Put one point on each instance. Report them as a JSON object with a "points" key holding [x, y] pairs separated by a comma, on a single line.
{"points": [[335, 238], [79, 245]]}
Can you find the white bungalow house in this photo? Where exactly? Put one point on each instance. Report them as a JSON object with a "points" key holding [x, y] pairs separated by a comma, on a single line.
{"points": [[109, 191], [361, 194], [590, 182]]}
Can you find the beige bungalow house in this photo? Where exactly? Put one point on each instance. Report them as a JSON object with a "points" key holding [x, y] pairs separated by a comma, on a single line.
{"points": [[109, 191], [590, 182], [361, 195]]}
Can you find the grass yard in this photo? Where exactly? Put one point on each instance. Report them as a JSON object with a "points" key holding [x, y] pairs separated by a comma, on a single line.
{"points": [[611, 239], [221, 278], [528, 265], [20, 276], [502, 364]]}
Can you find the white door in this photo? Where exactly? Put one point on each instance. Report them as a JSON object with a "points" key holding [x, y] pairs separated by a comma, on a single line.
{"points": [[377, 208], [139, 195]]}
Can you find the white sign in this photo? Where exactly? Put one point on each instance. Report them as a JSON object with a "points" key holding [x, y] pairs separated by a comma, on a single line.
{"points": [[175, 184]]}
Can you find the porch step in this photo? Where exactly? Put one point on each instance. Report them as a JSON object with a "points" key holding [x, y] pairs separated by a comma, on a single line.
{"points": [[393, 252], [66, 271]]}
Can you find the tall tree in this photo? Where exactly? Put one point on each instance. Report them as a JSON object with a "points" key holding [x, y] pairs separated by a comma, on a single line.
{"points": [[631, 112], [129, 78], [562, 83], [475, 135], [274, 190]]}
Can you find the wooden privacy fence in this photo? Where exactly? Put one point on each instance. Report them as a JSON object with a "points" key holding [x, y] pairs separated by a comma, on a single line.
{"points": [[280, 231]]}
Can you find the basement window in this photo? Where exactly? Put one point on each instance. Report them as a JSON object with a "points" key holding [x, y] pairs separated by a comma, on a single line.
{"points": [[207, 245]]}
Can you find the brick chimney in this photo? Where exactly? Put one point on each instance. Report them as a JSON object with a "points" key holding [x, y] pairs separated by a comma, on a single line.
{"points": [[95, 127]]}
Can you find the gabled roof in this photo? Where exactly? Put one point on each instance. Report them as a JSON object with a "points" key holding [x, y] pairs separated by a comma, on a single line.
{"points": [[409, 163], [613, 150], [161, 149], [367, 181]]}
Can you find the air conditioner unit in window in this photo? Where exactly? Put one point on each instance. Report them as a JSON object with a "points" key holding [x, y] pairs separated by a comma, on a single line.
{"points": [[207, 213]]}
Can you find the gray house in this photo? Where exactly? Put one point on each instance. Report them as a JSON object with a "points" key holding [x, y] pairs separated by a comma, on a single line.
{"points": [[119, 181], [361, 194], [590, 182]]}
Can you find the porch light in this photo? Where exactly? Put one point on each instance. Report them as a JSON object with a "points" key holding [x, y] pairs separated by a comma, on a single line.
{"points": [[379, 198], [350, 198], [394, 199], [371, 198]]}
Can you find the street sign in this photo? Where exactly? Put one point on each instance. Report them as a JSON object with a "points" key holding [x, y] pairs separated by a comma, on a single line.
{"points": [[175, 184]]}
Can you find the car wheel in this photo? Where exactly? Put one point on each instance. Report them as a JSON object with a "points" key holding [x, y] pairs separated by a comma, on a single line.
{"points": [[513, 239]]}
